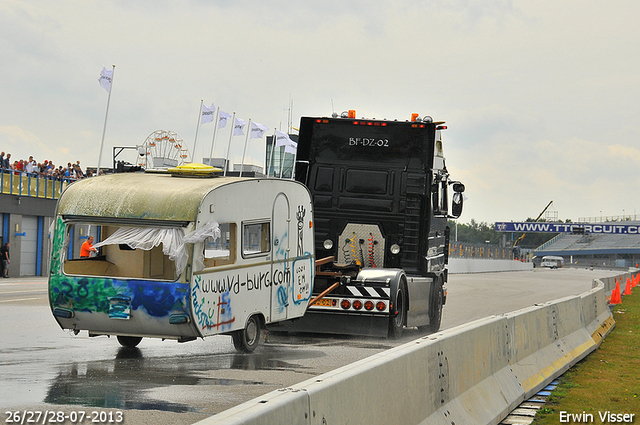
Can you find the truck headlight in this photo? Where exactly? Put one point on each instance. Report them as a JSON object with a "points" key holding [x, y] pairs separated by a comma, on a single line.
{"points": [[327, 244], [395, 249]]}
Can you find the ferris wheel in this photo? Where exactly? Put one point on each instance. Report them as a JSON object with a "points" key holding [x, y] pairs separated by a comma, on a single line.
{"points": [[162, 149]]}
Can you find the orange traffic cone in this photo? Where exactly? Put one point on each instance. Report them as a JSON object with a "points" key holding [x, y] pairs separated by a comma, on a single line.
{"points": [[615, 295], [634, 281], [627, 288]]}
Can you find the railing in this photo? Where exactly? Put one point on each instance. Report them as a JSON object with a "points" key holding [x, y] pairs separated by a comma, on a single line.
{"points": [[25, 184], [609, 218]]}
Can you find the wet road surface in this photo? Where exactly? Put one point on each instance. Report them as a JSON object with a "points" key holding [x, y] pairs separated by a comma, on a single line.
{"points": [[45, 368]]}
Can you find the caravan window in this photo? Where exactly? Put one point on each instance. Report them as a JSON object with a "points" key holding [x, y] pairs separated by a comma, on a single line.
{"points": [[256, 238], [117, 259], [222, 250]]}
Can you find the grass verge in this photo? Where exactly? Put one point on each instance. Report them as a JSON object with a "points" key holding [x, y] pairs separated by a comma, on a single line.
{"points": [[608, 380]]}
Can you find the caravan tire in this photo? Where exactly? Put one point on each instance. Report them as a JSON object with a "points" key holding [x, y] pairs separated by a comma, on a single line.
{"points": [[247, 340], [129, 341]]}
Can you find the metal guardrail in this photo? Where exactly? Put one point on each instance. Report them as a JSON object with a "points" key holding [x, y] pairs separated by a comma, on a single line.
{"points": [[25, 184]]}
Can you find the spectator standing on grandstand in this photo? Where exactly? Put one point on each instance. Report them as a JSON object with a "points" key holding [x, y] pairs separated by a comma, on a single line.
{"points": [[78, 171], [2, 159], [30, 166], [7, 162]]}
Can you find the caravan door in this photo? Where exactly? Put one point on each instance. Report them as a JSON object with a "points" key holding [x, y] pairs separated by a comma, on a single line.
{"points": [[281, 258]]}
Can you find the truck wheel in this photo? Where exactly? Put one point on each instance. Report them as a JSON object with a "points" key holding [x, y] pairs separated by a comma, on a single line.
{"points": [[129, 341], [247, 340], [398, 317], [435, 310]]}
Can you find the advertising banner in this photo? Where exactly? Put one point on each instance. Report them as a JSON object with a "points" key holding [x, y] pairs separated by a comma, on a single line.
{"points": [[612, 228]]}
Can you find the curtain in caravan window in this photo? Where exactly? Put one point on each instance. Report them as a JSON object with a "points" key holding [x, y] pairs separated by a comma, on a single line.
{"points": [[210, 229], [172, 240], [146, 238]]}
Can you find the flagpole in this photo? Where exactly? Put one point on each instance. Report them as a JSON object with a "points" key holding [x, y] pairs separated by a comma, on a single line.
{"points": [[195, 142], [215, 129], [293, 169], [273, 145], [246, 142], [282, 157], [226, 158], [104, 129]]}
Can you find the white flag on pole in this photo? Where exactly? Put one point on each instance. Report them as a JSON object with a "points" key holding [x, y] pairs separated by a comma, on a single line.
{"points": [[207, 113], [222, 119], [105, 78], [282, 139], [257, 130], [238, 127], [291, 147]]}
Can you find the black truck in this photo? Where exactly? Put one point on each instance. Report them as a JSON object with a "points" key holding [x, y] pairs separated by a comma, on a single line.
{"points": [[381, 202]]}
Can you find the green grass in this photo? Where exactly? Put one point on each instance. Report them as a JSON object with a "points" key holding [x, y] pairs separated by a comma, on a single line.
{"points": [[606, 380]]}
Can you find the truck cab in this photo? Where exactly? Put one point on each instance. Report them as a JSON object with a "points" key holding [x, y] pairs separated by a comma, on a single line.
{"points": [[381, 195]]}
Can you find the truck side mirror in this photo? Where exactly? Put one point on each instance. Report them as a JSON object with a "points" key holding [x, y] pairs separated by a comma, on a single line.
{"points": [[456, 204]]}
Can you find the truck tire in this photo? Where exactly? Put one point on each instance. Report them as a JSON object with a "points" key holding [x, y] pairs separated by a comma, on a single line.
{"points": [[435, 309], [129, 341], [247, 340], [398, 316]]}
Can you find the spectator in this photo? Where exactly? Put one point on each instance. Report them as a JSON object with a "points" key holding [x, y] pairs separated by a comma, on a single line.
{"points": [[7, 161], [30, 166], [4, 256], [2, 159], [79, 171], [87, 248]]}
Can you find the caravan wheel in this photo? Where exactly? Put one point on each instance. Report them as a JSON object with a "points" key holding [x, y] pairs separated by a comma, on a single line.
{"points": [[247, 340], [129, 341]]}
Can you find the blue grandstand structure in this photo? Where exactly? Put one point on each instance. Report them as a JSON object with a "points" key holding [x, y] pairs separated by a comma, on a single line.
{"points": [[595, 249]]}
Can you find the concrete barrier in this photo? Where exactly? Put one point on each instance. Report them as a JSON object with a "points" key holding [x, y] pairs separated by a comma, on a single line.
{"points": [[469, 265], [473, 374]]}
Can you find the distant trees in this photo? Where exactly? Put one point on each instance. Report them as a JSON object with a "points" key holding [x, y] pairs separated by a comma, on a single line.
{"points": [[482, 232], [474, 232]]}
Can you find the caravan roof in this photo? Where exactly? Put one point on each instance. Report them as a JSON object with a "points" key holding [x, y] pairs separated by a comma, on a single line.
{"points": [[140, 196]]}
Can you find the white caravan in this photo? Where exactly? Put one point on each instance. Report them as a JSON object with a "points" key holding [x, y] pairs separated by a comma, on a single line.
{"points": [[182, 256]]}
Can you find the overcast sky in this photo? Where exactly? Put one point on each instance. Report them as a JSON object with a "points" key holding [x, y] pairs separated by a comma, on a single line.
{"points": [[541, 98]]}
